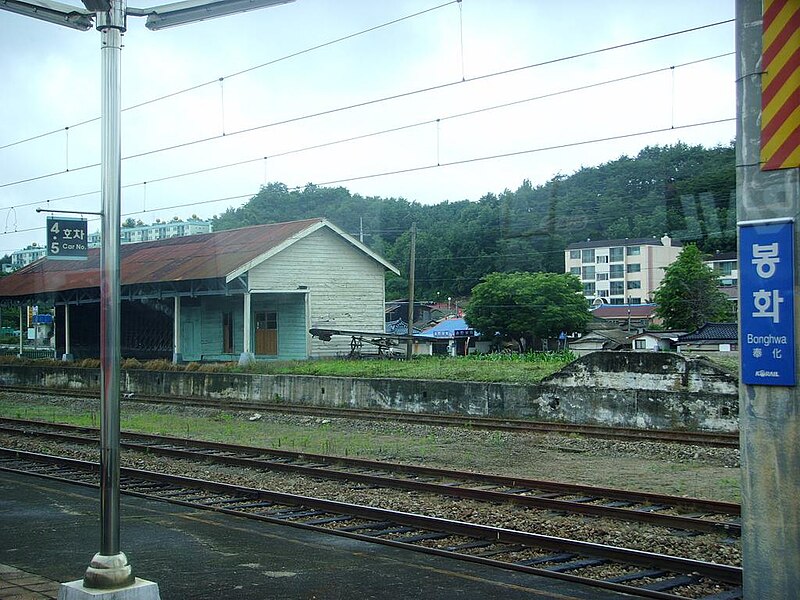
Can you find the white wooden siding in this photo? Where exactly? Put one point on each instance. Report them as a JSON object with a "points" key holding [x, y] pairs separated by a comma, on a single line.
{"points": [[346, 287]]}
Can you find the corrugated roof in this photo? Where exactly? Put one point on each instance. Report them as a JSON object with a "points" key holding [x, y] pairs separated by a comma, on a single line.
{"points": [[194, 257]]}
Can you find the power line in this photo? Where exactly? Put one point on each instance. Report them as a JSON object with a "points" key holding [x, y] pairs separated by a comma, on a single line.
{"points": [[382, 99], [242, 72], [393, 129], [436, 166]]}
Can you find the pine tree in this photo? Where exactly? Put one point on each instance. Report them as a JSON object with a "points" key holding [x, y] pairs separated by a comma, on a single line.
{"points": [[689, 295]]}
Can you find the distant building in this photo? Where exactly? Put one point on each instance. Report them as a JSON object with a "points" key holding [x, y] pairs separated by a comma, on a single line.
{"points": [[21, 258], [630, 317], [717, 337], [726, 264], [128, 235], [664, 341], [156, 231], [625, 271]]}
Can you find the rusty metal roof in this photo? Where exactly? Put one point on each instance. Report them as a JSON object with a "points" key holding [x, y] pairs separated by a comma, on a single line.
{"points": [[203, 256]]}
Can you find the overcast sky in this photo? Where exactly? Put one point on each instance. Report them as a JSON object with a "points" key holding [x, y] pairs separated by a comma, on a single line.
{"points": [[51, 80]]}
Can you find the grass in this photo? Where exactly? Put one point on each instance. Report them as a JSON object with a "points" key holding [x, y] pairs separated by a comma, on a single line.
{"points": [[526, 371], [510, 368], [315, 436]]}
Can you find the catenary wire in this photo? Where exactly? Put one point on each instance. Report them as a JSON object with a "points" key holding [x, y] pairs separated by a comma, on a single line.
{"points": [[374, 101], [391, 130], [431, 166], [241, 72]]}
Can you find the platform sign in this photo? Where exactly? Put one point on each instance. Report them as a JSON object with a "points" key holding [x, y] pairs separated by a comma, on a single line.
{"points": [[67, 238], [766, 282]]}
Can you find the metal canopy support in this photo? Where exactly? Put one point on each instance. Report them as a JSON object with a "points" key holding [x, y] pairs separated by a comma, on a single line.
{"points": [[109, 568], [176, 332], [247, 351], [67, 346]]}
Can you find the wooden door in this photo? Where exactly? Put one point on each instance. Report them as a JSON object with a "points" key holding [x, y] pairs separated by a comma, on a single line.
{"points": [[267, 333]]}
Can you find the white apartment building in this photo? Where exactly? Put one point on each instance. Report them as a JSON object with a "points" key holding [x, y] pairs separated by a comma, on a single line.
{"points": [[156, 231], [727, 265], [624, 271], [20, 258]]}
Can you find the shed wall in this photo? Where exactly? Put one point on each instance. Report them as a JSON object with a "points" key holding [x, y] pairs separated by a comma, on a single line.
{"points": [[345, 286]]}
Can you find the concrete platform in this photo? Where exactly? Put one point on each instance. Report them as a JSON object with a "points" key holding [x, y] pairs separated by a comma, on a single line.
{"points": [[49, 532]]}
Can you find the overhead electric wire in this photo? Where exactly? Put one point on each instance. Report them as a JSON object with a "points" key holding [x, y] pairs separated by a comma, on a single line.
{"points": [[243, 71], [518, 152], [433, 166], [392, 129], [381, 100]]}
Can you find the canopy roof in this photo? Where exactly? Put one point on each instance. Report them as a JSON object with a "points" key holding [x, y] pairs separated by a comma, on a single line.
{"points": [[223, 255]]}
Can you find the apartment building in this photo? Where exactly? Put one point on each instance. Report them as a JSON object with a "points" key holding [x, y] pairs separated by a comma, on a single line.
{"points": [[156, 231], [21, 258], [625, 271], [727, 265]]}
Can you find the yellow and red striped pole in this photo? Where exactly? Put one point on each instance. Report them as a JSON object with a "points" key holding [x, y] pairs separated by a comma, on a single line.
{"points": [[780, 85]]}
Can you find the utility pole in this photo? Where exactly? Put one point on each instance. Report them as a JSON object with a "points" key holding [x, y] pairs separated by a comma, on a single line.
{"points": [[768, 206], [109, 569], [411, 269]]}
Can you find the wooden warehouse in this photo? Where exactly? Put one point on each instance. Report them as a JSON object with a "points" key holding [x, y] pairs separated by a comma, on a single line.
{"points": [[238, 294]]}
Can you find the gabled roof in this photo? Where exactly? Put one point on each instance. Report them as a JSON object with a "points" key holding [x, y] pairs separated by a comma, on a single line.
{"points": [[223, 254], [712, 332]]}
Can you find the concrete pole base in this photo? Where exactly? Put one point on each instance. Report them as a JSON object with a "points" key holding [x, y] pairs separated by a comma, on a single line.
{"points": [[140, 589], [67, 357], [177, 358], [246, 358]]}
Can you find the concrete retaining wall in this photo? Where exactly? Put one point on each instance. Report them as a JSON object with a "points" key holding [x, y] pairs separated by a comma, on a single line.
{"points": [[648, 390]]}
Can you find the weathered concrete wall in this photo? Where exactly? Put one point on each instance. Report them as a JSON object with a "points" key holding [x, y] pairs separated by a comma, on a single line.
{"points": [[648, 390]]}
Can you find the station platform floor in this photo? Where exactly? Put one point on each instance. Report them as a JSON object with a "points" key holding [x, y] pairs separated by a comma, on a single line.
{"points": [[49, 532]]}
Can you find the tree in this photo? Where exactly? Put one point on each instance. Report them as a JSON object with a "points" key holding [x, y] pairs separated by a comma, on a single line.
{"points": [[524, 306], [689, 295]]}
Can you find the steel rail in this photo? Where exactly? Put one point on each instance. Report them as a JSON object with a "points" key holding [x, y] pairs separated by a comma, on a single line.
{"points": [[699, 438], [380, 473], [307, 512]]}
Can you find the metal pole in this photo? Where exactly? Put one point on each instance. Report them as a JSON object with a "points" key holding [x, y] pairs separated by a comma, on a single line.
{"points": [[411, 269], [67, 344], [769, 420], [109, 568]]}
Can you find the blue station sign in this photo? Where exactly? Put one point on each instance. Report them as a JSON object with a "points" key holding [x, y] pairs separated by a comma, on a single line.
{"points": [[766, 292]]}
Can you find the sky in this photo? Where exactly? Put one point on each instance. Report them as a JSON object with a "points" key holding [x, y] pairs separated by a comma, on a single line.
{"points": [[260, 89]]}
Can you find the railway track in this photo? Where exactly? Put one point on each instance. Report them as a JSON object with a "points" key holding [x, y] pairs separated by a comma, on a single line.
{"points": [[687, 514], [639, 573], [699, 438]]}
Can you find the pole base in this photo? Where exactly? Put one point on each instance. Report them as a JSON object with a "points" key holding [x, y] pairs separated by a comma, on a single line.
{"points": [[67, 357], [246, 358], [177, 358], [108, 572], [140, 589]]}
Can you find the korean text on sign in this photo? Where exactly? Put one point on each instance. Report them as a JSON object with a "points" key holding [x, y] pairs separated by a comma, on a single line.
{"points": [[766, 280]]}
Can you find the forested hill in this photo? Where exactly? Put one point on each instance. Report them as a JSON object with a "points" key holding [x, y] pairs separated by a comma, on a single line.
{"points": [[685, 191]]}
